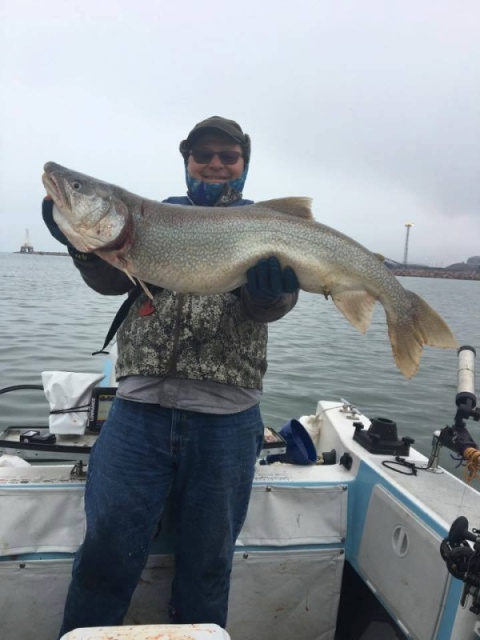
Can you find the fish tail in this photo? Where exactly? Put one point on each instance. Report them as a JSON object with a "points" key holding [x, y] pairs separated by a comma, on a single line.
{"points": [[416, 325]]}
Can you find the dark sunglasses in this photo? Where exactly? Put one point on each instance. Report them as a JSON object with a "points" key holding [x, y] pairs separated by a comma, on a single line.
{"points": [[225, 157]]}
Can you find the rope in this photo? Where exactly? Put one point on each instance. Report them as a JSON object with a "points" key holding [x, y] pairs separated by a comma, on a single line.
{"points": [[472, 457]]}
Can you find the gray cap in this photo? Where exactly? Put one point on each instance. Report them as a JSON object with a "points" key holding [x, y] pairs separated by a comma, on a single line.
{"points": [[216, 123]]}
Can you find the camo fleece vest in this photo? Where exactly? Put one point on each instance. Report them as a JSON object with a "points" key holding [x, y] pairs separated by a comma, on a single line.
{"points": [[194, 338]]}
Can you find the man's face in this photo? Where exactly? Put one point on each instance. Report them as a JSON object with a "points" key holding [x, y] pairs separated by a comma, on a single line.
{"points": [[206, 167]]}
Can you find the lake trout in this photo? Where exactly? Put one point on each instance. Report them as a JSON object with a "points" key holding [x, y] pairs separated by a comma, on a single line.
{"points": [[208, 250]]}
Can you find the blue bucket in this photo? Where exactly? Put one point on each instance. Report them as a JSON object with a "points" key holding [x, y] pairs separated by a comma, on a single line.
{"points": [[300, 447]]}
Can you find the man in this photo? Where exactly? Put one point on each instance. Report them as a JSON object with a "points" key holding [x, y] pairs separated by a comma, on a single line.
{"points": [[185, 424]]}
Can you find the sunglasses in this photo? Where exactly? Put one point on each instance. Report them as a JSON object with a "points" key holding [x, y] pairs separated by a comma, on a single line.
{"points": [[225, 157]]}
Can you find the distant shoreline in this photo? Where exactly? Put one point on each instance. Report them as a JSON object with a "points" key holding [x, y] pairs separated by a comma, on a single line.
{"points": [[436, 273]]}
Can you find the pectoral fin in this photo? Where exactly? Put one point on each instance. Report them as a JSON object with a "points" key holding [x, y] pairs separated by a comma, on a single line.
{"points": [[141, 283]]}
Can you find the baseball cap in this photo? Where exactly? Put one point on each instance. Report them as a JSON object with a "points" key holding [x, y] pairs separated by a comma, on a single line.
{"points": [[216, 123]]}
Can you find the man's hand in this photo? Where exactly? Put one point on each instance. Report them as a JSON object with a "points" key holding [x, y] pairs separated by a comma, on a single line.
{"points": [[267, 279], [52, 226]]}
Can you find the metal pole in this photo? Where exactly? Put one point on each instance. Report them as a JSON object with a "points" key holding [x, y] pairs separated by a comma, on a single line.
{"points": [[408, 225]]}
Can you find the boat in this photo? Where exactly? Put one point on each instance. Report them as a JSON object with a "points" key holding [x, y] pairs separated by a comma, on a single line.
{"points": [[359, 538]]}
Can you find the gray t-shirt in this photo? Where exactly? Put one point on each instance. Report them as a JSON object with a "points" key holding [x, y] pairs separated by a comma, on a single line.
{"points": [[204, 396]]}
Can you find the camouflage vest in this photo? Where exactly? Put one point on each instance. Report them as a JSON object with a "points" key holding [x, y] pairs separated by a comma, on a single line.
{"points": [[194, 338]]}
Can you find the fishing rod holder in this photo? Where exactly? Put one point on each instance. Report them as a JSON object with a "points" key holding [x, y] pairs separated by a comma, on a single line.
{"points": [[457, 437]]}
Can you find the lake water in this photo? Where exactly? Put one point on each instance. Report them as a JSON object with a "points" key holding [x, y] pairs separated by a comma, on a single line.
{"points": [[51, 320]]}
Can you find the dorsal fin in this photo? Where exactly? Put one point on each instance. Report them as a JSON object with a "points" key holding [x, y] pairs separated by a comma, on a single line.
{"points": [[295, 206]]}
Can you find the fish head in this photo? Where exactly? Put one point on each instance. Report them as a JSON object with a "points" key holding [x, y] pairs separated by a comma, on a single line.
{"points": [[90, 212]]}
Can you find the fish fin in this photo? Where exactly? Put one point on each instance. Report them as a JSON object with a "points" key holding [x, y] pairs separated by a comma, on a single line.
{"points": [[296, 206], [146, 289], [421, 326], [356, 306], [380, 257], [130, 276]]}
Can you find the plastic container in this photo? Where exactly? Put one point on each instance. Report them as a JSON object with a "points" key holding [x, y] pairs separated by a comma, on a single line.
{"points": [[313, 425]]}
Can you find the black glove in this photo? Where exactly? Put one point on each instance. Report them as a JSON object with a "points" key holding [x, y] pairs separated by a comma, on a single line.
{"points": [[267, 280], [52, 226]]}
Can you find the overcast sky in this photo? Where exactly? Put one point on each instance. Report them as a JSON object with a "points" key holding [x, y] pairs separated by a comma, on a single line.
{"points": [[370, 107]]}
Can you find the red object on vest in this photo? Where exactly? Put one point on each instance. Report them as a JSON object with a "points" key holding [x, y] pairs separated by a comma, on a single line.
{"points": [[146, 309]]}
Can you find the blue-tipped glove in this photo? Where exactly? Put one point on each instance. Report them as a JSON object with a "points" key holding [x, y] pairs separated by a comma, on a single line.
{"points": [[267, 280]]}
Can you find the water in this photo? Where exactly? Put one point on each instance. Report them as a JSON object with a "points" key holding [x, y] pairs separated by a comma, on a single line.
{"points": [[51, 320]]}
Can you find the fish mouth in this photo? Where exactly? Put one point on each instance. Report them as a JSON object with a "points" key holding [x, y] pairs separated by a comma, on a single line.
{"points": [[51, 185]]}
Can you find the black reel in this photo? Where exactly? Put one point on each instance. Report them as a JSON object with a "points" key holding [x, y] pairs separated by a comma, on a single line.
{"points": [[463, 561], [456, 558]]}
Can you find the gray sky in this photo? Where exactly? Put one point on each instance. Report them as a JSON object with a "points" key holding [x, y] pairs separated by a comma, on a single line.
{"points": [[370, 107]]}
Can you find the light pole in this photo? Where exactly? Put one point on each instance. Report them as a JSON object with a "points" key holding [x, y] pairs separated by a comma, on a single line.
{"points": [[408, 226]]}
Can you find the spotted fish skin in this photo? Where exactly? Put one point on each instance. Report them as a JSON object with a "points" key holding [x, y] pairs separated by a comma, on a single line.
{"points": [[208, 250]]}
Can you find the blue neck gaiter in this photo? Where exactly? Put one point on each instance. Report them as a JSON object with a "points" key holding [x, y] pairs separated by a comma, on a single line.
{"points": [[207, 194]]}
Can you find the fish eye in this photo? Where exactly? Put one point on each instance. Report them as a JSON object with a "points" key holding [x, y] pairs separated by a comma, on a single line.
{"points": [[76, 185]]}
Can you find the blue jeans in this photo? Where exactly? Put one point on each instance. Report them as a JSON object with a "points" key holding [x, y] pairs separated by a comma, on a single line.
{"points": [[144, 454]]}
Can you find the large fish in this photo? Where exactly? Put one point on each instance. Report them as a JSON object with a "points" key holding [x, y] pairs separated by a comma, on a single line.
{"points": [[207, 250]]}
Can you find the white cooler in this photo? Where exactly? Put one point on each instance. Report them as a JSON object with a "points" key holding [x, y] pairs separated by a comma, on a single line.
{"points": [[151, 632]]}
